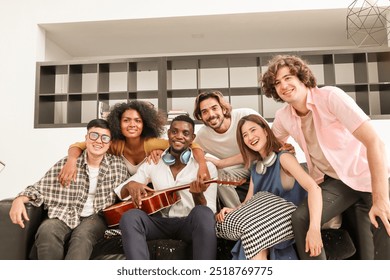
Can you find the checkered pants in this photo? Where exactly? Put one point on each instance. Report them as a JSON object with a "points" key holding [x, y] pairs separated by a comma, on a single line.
{"points": [[260, 223]]}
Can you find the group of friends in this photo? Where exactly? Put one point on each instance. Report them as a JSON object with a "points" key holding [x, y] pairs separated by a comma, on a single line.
{"points": [[125, 157]]}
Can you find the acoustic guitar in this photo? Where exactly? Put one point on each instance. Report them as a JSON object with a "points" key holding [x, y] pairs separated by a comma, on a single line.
{"points": [[155, 201]]}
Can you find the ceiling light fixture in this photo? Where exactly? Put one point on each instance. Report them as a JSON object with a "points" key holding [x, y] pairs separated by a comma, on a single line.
{"points": [[368, 22]]}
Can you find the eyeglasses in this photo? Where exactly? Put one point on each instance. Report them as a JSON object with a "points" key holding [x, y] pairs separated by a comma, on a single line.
{"points": [[95, 136]]}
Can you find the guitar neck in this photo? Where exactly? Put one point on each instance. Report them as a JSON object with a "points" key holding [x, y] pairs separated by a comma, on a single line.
{"points": [[214, 180], [186, 186], [155, 201]]}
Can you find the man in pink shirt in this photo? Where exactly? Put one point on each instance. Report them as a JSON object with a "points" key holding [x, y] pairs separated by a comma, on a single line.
{"points": [[344, 153]]}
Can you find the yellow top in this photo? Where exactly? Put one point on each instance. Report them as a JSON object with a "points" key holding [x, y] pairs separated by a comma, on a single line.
{"points": [[118, 146]]}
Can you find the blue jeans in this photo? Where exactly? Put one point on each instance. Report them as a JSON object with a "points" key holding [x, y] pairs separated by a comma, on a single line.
{"points": [[336, 198], [198, 229], [56, 241]]}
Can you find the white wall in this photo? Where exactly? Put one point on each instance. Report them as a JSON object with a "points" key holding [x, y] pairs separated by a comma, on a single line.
{"points": [[29, 152]]}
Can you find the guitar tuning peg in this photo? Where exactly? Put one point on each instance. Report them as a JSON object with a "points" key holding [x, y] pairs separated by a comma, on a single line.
{"points": [[224, 176]]}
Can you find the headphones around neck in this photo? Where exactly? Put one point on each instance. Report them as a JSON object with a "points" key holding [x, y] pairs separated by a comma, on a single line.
{"points": [[169, 159], [261, 165]]}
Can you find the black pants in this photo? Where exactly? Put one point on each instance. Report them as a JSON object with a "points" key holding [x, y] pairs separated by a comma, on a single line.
{"points": [[337, 197], [54, 236], [198, 229]]}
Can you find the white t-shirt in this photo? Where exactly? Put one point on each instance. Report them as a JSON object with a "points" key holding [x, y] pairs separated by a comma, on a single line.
{"points": [[222, 145], [160, 176], [88, 206]]}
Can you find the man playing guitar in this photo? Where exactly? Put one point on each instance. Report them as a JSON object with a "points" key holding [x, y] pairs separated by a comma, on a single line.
{"points": [[190, 219]]}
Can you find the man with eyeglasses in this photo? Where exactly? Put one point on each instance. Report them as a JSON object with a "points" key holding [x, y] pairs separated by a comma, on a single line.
{"points": [[74, 213]]}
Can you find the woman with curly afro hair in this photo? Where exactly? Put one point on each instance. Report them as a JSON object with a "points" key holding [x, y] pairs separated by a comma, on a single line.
{"points": [[136, 127]]}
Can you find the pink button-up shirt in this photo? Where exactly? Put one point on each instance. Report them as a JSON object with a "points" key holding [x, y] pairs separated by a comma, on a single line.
{"points": [[336, 116]]}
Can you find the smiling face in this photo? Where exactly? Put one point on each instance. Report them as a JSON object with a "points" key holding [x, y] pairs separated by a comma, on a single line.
{"points": [[254, 137], [289, 88], [213, 115], [180, 136], [97, 147], [131, 124]]}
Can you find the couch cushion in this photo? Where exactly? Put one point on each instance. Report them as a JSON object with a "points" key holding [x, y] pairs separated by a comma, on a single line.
{"points": [[164, 249], [15, 242]]}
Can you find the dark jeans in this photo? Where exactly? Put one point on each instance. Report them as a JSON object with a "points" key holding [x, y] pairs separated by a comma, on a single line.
{"points": [[198, 229], [337, 197], [54, 236]]}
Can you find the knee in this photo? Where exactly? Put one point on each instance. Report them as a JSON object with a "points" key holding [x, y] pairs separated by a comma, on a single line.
{"points": [[131, 218], [203, 215], [51, 229], [43, 234], [202, 211]]}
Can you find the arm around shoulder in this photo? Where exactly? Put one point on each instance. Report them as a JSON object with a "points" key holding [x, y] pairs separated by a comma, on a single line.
{"points": [[68, 172], [211, 192], [151, 144]]}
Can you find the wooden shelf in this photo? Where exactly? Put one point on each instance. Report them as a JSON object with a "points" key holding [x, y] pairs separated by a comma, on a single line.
{"points": [[70, 93]]}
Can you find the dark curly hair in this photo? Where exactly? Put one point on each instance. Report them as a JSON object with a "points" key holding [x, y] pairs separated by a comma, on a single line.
{"points": [[184, 118], [297, 66], [153, 120], [248, 154]]}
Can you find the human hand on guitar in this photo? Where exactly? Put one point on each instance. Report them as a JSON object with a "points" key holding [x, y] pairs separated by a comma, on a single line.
{"points": [[137, 191], [197, 188], [150, 205]]}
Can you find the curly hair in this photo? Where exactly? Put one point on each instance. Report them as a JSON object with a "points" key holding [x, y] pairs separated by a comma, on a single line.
{"points": [[153, 120], [184, 118], [297, 66], [211, 94], [248, 154]]}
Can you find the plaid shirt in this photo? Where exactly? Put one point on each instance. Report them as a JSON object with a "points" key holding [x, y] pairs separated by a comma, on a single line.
{"points": [[66, 203]]}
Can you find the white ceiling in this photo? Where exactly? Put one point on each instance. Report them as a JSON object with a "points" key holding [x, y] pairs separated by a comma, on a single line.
{"points": [[249, 32]]}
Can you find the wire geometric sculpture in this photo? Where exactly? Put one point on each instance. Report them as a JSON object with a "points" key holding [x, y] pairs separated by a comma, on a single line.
{"points": [[2, 165], [368, 24]]}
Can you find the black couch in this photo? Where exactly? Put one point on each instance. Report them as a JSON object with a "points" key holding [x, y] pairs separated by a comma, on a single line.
{"points": [[17, 243]]}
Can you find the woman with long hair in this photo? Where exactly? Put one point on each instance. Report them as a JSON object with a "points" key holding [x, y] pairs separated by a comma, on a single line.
{"points": [[278, 183]]}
